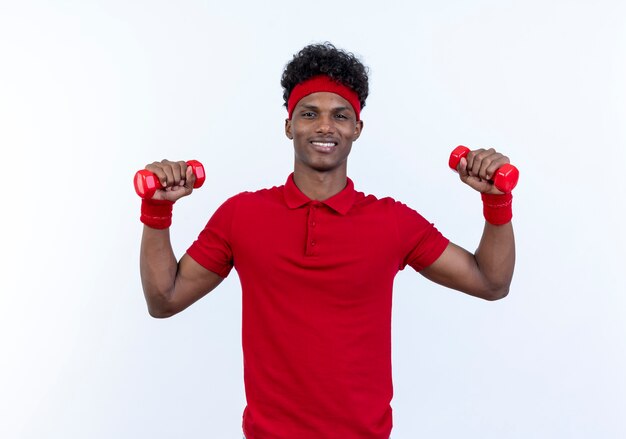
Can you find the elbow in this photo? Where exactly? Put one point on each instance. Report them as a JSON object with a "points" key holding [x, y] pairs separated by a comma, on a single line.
{"points": [[160, 313], [160, 307], [496, 294]]}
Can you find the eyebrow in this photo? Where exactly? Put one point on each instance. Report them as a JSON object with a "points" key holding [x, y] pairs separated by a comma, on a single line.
{"points": [[334, 109]]}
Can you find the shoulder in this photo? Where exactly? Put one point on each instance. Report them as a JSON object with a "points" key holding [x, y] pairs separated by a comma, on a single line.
{"points": [[258, 196], [369, 201], [253, 200], [390, 211]]}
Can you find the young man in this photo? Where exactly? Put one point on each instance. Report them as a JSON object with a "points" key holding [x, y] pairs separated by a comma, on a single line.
{"points": [[316, 260]]}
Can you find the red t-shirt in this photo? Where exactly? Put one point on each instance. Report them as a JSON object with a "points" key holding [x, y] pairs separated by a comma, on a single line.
{"points": [[317, 281]]}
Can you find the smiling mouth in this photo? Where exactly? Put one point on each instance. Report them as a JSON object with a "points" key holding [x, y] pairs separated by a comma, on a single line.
{"points": [[323, 146]]}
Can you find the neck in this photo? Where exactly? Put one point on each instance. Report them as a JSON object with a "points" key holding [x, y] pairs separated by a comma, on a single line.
{"points": [[320, 185]]}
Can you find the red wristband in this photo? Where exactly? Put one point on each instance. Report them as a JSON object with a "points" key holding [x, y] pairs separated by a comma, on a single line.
{"points": [[497, 209], [156, 214]]}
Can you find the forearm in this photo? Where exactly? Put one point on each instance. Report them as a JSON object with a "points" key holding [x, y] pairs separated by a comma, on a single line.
{"points": [[495, 258], [158, 266]]}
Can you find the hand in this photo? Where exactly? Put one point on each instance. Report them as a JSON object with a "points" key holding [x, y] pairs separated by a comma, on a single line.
{"points": [[177, 179], [478, 168]]}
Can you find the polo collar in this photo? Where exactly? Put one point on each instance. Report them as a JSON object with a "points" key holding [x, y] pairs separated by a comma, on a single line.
{"points": [[340, 203]]}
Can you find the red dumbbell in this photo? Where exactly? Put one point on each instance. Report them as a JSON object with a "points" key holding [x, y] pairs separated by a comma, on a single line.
{"points": [[146, 183], [505, 178]]}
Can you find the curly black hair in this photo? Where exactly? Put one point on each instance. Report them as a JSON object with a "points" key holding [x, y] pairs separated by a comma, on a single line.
{"points": [[317, 59]]}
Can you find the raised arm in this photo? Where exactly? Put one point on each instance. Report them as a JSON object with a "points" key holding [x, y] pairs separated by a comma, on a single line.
{"points": [[487, 273], [169, 285]]}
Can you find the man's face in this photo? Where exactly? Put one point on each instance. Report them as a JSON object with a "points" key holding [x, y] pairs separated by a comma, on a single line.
{"points": [[323, 127]]}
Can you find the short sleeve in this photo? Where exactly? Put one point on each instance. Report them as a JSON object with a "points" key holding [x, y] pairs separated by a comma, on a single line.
{"points": [[213, 248], [420, 241]]}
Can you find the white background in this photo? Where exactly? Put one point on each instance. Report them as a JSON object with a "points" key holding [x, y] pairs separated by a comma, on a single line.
{"points": [[91, 91]]}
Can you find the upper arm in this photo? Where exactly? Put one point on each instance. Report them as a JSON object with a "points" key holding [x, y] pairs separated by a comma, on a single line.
{"points": [[458, 269], [207, 261], [193, 282]]}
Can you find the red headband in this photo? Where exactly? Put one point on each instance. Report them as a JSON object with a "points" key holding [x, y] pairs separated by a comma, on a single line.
{"points": [[323, 83]]}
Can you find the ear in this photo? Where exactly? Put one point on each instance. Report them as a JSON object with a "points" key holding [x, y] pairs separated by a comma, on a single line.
{"points": [[288, 132], [358, 129]]}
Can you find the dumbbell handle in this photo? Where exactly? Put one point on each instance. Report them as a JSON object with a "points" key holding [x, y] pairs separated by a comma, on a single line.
{"points": [[505, 178], [147, 183]]}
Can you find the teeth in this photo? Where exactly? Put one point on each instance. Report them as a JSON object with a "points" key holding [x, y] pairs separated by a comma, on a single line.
{"points": [[329, 144]]}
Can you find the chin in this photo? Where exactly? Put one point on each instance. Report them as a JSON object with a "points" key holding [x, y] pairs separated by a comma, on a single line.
{"points": [[324, 167]]}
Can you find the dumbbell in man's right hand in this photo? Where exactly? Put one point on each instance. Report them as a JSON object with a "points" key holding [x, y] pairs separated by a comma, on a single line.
{"points": [[169, 177]]}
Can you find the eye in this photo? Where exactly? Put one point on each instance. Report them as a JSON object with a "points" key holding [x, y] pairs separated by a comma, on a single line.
{"points": [[308, 114], [341, 116]]}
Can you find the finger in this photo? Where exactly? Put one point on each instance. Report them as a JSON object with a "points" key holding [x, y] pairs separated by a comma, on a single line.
{"points": [[462, 168], [177, 173], [486, 163], [190, 178], [166, 167], [497, 164], [481, 162], [471, 180], [157, 168], [473, 161], [187, 179], [181, 173]]}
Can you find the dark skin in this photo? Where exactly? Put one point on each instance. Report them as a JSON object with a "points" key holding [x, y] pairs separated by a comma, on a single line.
{"points": [[323, 128]]}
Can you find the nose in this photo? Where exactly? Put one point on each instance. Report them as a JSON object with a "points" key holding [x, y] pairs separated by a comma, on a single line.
{"points": [[325, 124]]}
